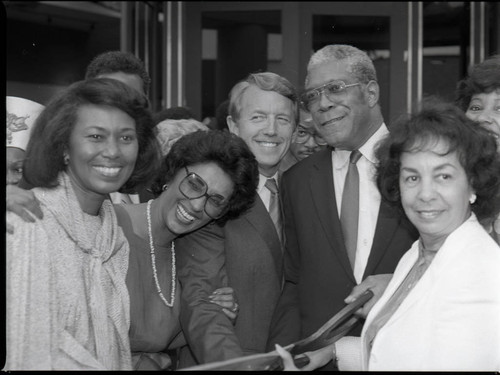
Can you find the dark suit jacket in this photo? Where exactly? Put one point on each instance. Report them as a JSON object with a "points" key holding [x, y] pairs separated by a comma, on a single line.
{"points": [[318, 275], [250, 247]]}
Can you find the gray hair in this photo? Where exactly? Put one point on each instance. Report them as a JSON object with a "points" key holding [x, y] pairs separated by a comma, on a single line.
{"points": [[360, 64], [266, 81]]}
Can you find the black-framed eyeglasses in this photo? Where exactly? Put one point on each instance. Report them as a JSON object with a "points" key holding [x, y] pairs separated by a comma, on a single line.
{"points": [[331, 89], [302, 135], [193, 187]]}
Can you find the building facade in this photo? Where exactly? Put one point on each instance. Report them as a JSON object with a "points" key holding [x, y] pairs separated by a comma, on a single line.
{"points": [[196, 51]]}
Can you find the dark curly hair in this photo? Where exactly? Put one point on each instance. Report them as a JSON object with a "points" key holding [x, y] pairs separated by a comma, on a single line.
{"points": [[118, 61], [53, 127], [483, 78], [229, 152], [476, 151]]}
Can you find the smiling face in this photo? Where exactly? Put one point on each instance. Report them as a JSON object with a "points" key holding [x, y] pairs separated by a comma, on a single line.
{"points": [[344, 119], [266, 123], [435, 192], [102, 152], [485, 109], [183, 215]]}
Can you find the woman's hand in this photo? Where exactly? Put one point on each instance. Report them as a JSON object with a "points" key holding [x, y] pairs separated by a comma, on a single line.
{"points": [[23, 203], [225, 298], [317, 359], [377, 284]]}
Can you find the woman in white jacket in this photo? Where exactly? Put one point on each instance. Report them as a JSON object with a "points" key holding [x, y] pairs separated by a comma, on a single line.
{"points": [[441, 310]]}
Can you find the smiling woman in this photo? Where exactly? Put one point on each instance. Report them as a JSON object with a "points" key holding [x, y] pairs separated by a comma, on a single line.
{"points": [[207, 176], [70, 267]]}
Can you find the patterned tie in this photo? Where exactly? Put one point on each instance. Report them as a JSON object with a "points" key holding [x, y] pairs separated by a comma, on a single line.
{"points": [[274, 206], [350, 207]]}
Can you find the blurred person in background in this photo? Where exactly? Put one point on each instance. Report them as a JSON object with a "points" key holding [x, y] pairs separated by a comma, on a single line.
{"points": [[305, 142], [478, 95]]}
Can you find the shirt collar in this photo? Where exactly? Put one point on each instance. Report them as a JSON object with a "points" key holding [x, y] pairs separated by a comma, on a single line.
{"points": [[367, 150], [263, 179]]}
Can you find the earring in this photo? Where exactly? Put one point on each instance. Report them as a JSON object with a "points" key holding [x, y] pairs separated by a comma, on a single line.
{"points": [[66, 159], [472, 198], [164, 187]]}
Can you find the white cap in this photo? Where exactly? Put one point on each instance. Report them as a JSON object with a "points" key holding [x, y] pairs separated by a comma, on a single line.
{"points": [[21, 115]]}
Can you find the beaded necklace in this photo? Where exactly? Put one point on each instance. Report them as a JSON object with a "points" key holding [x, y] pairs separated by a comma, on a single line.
{"points": [[153, 261]]}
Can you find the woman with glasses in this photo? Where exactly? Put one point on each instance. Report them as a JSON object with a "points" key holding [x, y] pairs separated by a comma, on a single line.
{"points": [[207, 177]]}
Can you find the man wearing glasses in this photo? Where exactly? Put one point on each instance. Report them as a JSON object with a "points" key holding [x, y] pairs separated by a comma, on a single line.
{"points": [[338, 232], [247, 253], [305, 142]]}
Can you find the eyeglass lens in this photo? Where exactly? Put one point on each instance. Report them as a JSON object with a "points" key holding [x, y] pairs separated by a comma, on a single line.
{"points": [[331, 89], [194, 187]]}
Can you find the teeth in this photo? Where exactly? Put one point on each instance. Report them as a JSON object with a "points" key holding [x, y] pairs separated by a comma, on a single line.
{"points": [[429, 214], [109, 172], [268, 144], [333, 120], [184, 213]]}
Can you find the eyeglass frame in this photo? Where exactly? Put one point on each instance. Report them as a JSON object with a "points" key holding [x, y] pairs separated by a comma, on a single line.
{"points": [[321, 89], [309, 135], [205, 194]]}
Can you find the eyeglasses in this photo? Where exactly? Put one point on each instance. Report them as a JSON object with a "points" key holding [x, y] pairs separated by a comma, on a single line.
{"points": [[193, 187], [331, 89], [302, 136]]}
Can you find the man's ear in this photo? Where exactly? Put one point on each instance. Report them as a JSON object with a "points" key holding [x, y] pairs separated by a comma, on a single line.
{"points": [[373, 92], [232, 125]]}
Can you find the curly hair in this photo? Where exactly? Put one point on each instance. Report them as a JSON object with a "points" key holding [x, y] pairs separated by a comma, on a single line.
{"points": [[53, 127], [225, 149], [483, 78], [118, 61], [476, 150], [266, 81]]}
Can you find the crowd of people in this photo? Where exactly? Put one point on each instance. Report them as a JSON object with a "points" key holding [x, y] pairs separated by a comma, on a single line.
{"points": [[154, 241]]}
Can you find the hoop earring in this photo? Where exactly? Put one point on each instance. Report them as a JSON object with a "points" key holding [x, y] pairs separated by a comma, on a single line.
{"points": [[66, 159], [164, 187]]}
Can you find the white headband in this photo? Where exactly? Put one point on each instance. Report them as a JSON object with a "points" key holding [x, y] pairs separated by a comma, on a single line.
{"points": [[21, 115]]}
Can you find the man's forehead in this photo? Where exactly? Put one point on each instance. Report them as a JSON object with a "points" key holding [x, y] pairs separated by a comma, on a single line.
{"points": [[253, 92], [327, 71]]}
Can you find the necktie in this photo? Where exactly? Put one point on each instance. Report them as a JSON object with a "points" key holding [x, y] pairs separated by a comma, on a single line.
{"points": [[350, 207], [274, 207]]}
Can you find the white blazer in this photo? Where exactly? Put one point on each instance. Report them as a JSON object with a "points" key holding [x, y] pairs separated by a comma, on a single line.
{"points": [[450, 320]]}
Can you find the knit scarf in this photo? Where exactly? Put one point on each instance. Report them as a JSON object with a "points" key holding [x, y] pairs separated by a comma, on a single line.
{"points": [[109, 302]]}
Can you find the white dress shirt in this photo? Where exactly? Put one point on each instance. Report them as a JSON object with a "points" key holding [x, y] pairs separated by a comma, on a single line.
{"points": [[369, 196]]}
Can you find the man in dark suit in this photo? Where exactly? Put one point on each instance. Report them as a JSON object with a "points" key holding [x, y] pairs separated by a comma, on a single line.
{"points": [[342, 93], [247, 253]]}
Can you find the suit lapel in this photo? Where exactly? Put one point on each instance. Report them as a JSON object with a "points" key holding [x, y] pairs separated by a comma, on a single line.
{"points": [[259, 218], [323, 195], [387, 223]]}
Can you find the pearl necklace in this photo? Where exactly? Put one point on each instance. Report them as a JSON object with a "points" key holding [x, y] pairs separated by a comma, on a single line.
{"points": [[172, 248]]}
